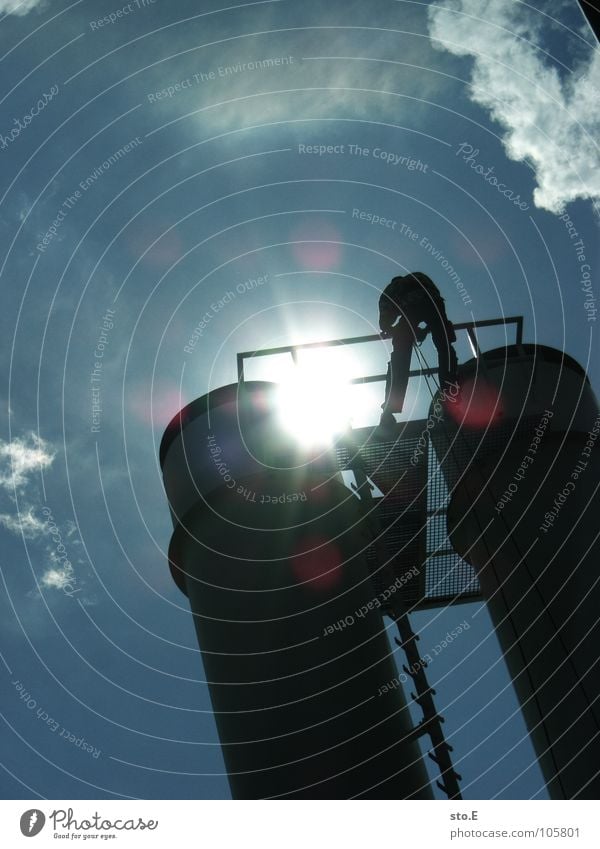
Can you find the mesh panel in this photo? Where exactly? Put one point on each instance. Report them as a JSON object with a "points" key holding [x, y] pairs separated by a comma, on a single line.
{"points": [[412, 547], [466, 446]]}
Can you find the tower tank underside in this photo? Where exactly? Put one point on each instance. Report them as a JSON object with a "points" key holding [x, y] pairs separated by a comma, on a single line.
{"points": [[519, 457], [270, 547]]}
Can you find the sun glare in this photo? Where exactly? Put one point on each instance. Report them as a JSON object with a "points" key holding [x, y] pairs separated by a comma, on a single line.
{"points": [[314, 404]]}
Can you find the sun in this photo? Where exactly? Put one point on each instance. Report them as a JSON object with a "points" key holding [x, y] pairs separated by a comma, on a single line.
{"points": [[314, 404]]}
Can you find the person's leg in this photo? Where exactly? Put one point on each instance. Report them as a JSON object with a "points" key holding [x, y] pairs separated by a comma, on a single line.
{"points": [[447, 359], [442, 336], [398, 368]]}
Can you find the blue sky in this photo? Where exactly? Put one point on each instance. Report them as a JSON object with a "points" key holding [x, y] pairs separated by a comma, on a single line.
{"points": [[181, 150]]}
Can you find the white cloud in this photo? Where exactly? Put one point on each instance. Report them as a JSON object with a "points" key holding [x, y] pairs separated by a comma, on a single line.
{"points": [[21, 457], [19, 7], [71, 528], [551, 123], [20, 460], [60, 574], [57, 577], [24, 523]]}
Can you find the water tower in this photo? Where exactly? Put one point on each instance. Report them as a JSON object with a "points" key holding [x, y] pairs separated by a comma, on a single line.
{"points": [[270, 547], [286, 557], [520, 460]]}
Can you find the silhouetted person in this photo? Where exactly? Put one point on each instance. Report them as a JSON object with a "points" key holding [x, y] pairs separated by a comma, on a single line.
{"points": [[415, 300]]}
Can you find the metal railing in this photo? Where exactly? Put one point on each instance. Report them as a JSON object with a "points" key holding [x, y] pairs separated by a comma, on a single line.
{"points": [[469, 327]]}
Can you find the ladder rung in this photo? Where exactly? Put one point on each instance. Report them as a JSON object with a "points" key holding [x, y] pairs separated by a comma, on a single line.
{"points": [[404, 643], [423, 726], [436, 759], [422, 665], [434, 719], [417, 731], [451, 773], [448, 792], [428, 692], [444, 745]]}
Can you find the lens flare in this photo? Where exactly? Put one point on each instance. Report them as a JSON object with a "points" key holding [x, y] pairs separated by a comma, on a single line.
{"points": [[316, 245], [478, 406], [154, 405], [317, 563]]}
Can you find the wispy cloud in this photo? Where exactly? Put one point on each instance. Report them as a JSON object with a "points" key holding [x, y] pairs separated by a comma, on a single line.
{"points": [[552, 123], [22, 457], [379, 73], [59, 573], [19, 7], [58, 576], [20, 460], [24, 523]]}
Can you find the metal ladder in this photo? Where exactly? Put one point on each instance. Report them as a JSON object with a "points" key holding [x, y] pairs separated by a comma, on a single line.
{"points": [[432, 721]]}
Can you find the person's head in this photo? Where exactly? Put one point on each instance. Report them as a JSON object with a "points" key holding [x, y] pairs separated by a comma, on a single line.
{"points": [[412, 276]]}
